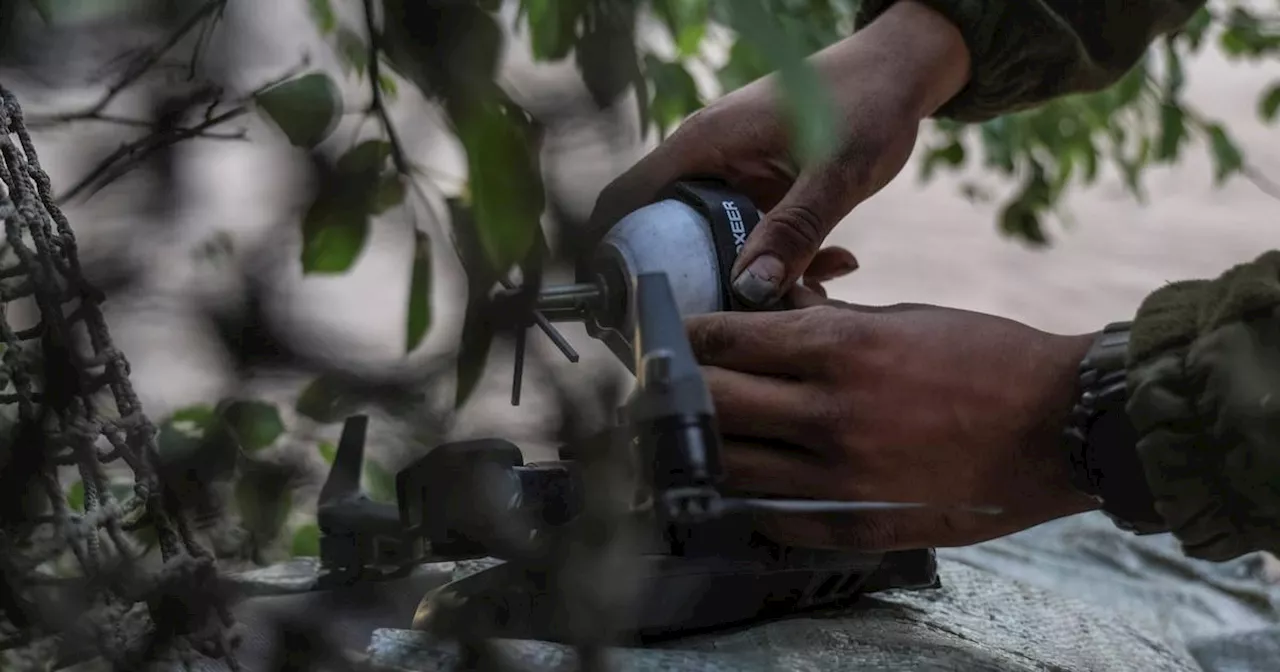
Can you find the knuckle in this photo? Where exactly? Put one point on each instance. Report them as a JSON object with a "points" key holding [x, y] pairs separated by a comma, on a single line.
{"points": [[828, 329], [694, 137], [711, 337], [826, 422], [797, 228]]}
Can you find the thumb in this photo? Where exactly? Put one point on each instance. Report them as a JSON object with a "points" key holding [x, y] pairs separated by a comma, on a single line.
{"points": [[784, 243]]}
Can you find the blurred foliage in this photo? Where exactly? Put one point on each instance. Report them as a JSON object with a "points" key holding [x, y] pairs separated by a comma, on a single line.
{"points": [[1141, 122], [450, 53]]}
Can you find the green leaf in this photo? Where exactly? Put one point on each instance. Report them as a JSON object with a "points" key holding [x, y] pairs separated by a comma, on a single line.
{"points": [[745, 65], [306, 109], [952, 154], [606, 52], [1234, 43], [1194, 29], [365, 161], [336, 226], [330, 399], [390, 193], [809, 108], [256, 424], [643, 110], [1019, 220], [1131, 168], [998, 145], [388, 85], [686, 20], [1088, 152], [322, 14], [1066, 169], [353, 50], [552, 26], [1173, 131], [477, 338], [192, 424], [1248, 34], [1175, 78], [477, 330], [75, 496], [1130, 87], [333, 237], [328, 452], [381, 484], [1269, 104], [326, 400], [197, 440], [1227, 158], [675, 94], [449, 49], [419, 316], [507, 196], [306, 542]]}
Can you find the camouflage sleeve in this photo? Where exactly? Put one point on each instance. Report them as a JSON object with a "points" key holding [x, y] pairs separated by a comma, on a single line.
{"points": [[1026, 52], [1204, 395]]}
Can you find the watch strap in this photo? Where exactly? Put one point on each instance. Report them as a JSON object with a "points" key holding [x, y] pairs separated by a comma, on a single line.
{"points": [[1102, 442]]}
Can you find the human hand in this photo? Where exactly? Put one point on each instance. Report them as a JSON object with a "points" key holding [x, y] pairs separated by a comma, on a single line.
{"points": [[884, 80], [906, 403]]}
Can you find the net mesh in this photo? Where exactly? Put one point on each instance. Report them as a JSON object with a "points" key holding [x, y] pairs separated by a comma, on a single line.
{"points": [[67, 393]]}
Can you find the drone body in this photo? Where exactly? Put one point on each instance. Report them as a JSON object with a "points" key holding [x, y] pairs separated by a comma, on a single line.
{"points": [[701, 563]]}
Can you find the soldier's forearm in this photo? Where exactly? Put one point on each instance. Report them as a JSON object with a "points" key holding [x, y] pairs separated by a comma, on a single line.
{"points": [[1027, 52]]}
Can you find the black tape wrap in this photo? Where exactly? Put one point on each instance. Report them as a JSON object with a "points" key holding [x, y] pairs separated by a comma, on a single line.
{"points": [[732, 218]]}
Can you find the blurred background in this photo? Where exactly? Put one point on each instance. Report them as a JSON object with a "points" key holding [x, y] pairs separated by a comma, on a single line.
{"points": [[201, 236]]}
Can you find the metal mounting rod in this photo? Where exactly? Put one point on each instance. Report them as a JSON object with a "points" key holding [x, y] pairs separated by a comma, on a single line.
{"points": [[568, 302]]}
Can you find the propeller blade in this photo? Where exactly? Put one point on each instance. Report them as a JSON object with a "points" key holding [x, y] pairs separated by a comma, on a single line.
{"points": [[735, 505]]}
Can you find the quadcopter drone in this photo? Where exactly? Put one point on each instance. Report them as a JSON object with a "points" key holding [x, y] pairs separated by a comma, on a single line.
{"points": [[702, 564]]}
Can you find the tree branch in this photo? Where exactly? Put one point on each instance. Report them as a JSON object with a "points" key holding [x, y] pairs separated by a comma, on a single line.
{"points": [[1247, 170], [378, 106], [130, 155], [1264, 184], [142, 63], [202, 41], [139, 123]]}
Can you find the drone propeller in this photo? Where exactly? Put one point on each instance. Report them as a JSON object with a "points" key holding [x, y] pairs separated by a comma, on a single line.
{"points": [[741, 505], [563, 303]]}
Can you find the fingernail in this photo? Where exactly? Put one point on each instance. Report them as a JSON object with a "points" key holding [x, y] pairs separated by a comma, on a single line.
{"points": [[760, 283]]}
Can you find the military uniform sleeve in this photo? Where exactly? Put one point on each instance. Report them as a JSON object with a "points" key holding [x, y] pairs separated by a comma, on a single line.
{"points": [[1204, 396], [1026, 52]]}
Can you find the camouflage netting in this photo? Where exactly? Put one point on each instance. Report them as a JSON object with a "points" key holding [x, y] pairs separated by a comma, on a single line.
{"points": [[67, 394]]}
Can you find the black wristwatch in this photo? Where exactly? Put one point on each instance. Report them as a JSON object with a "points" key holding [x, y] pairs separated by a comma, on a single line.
{"points": [[1101, 441]]}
